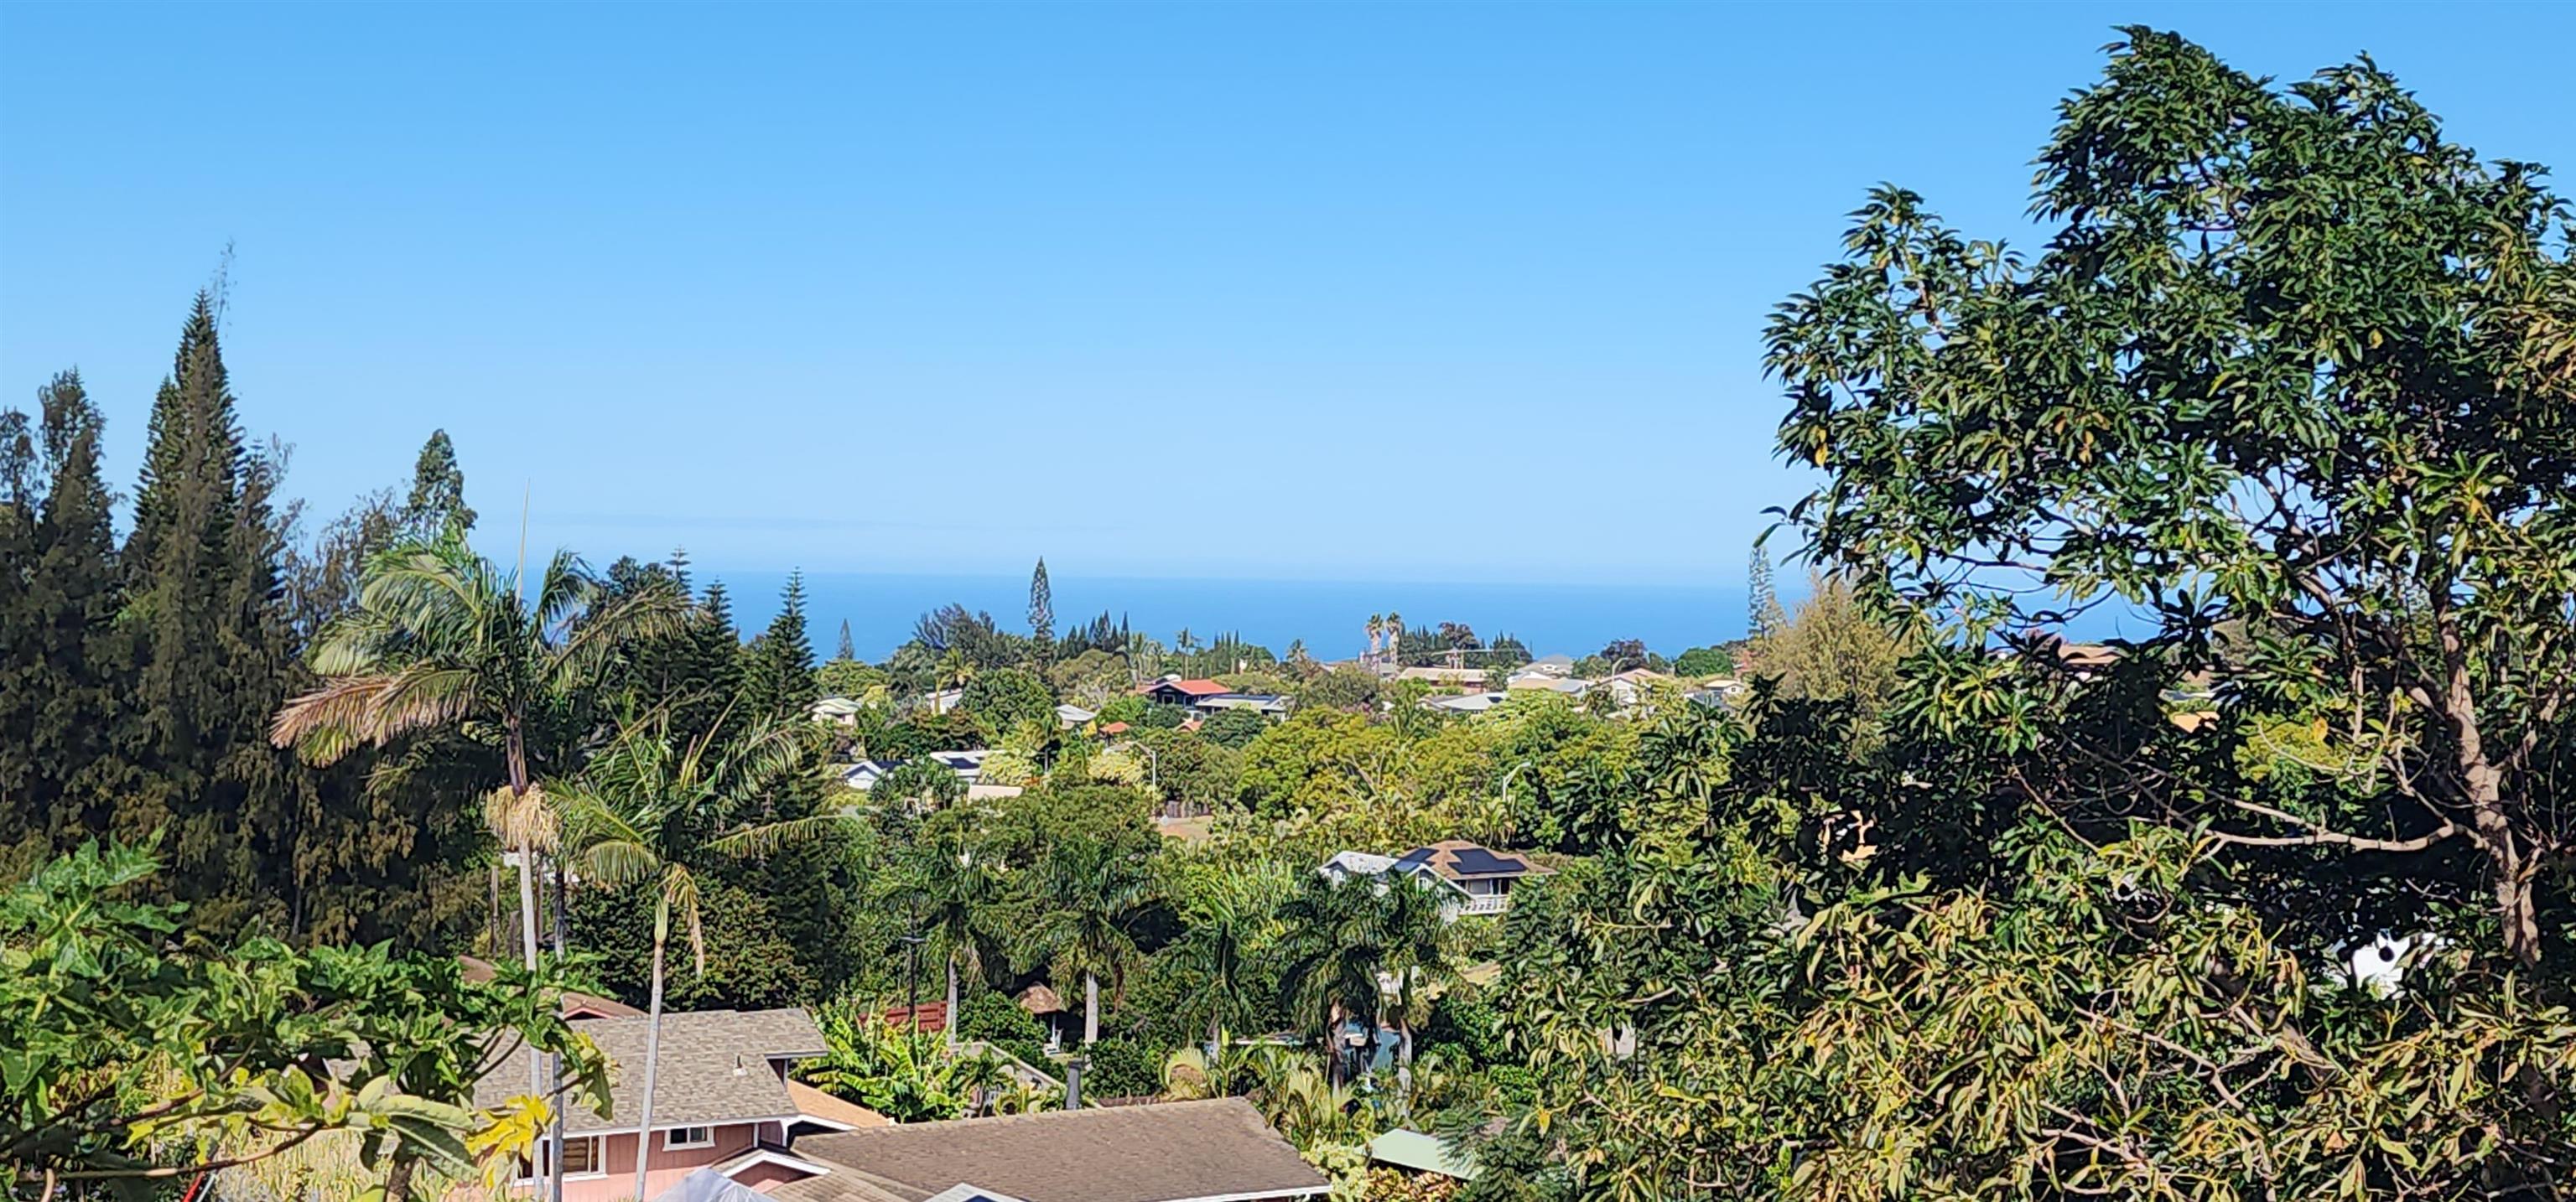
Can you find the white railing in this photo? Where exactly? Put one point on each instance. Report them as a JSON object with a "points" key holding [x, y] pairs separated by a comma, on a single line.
{"points": [[1494, 903]]}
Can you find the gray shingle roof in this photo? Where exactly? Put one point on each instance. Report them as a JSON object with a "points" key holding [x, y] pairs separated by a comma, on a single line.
{"points": [[714, 1068], [1164, 1152]]}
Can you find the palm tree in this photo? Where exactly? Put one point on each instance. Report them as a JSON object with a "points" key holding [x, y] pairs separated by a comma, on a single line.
{"points": [[441, 639], [1376, 627], [1092, 891], [1395, 637], [1229, 919], [1421, 950], [956, 895], [1330, 951], [647, 810]]}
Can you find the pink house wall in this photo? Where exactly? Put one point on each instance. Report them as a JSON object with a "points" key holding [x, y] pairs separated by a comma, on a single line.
{"points": [[666, 1167]]}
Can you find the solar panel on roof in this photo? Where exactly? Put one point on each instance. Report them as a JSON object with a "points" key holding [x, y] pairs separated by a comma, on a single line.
{"points": [[1476, 861]]}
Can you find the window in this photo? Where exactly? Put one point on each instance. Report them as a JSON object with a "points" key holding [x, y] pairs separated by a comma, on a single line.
{"points": [[581, 1156], [689, 1137]]}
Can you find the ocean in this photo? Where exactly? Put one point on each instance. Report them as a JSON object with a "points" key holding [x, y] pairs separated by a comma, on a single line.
{"points": [[1331, 616]]}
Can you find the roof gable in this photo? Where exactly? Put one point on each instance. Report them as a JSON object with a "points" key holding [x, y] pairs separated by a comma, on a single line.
{"points": [[1165, 1152]]}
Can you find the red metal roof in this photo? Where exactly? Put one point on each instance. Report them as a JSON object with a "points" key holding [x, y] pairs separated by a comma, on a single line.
{"points": [[1195, 688]]}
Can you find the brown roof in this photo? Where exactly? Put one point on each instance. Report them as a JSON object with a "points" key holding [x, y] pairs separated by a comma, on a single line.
{"points": [[575, 1005], [814, 1103], [1156, 1153], [714, 1068]]}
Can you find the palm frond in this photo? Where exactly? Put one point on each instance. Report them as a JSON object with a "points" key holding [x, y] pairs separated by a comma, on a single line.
{"points": [[762, 840]]}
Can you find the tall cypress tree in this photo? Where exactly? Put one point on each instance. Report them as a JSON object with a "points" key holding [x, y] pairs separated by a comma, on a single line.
{"points": [[847, 650]]}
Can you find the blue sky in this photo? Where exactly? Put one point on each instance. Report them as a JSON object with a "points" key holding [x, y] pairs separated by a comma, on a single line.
{"points": [[1328, 292]]}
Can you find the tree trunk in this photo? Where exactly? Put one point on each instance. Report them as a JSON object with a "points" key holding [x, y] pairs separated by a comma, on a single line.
{"points": [[2483, 781], [398, 1177], [1403, 1056], [1090, 1009], [554, 1063], [952, 1003], [539, 1068], [652, 1044]]}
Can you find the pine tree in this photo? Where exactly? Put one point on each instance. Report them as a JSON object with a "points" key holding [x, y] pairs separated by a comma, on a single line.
{"points": [[208, 647], [1042, 612], [848, 650], [1763, 615], [437, 489], [71, 609], [809, 885], [24, 807], [778, 668]]}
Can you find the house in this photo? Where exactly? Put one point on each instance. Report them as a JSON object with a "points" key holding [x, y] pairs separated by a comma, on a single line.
{"points": [[1482, 878], [1541, 681], [1549, 665], [1268, 705], [938, 702], [1463, 703], [1070, 716], [1217, 1150], [1479, 880], [1347, 864], [1172, 690], [968, 765], [1443, 675], [721, 1097], [837, 711], [1207, 697]]}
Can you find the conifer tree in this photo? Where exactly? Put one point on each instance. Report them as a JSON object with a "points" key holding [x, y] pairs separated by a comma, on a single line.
{"points": [[778, 672], [1042, 612], [58, 690], [847, 651], [810, 881], [1763, 615], [437, 489], [208, 646]]}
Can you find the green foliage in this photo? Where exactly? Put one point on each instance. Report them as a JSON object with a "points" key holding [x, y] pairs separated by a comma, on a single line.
{"points": [[1351, 689], [1701, 662], [904, 1075], [852, 679], [2289, 387], [1121, 1068], [1832, 648], [117, 1054], [1005, 699], [1234, 729], [749, 967], [992, 1016]]}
